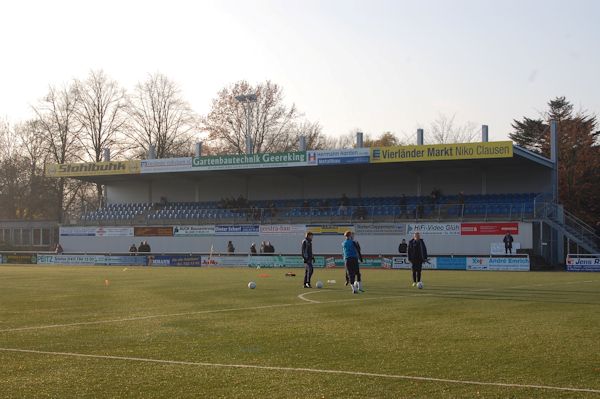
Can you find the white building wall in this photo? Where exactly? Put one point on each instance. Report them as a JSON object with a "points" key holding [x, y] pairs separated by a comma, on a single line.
{"points": [[516, 180], [290, 243], [275, 187], [389, 183], [127, 192], [174, 190]]}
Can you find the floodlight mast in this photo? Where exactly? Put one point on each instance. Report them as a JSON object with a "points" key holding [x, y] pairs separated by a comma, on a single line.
{"points": [[247, 100]]}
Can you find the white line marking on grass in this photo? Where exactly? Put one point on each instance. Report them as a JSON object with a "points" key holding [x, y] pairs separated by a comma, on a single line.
{"points": [[300, 369], [199, 312], [84, 323], [306, 302], [301, 296]]}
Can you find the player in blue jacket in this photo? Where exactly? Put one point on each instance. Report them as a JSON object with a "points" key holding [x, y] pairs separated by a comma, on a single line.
{"points": [[351, 256]]}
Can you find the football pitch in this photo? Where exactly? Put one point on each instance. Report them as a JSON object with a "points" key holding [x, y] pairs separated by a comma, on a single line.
{"points": [[113, 332]]}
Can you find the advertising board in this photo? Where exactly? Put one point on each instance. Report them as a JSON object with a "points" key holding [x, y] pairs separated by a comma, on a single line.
{"points": [[329, 229], [583, 263], [282, 261], [282, 229], [164, 165], [380, 228], [339, 157], [504, 263], [174, 260], [480, 229], [153, 231], [93, 169], [193, 231], [442, 152], [250, 161], [97, 260], [237, 230], [433, 229]]}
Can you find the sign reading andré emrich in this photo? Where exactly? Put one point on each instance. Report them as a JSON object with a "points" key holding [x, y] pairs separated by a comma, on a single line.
{"points": [[249, 161], [441, 152]]}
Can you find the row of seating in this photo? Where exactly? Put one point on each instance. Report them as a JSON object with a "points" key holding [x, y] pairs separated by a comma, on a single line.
{"points": [[452, 206]]}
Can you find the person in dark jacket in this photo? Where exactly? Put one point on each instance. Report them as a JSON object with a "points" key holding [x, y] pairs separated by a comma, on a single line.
{"points": [[508, 241], [253, 249], [59, 249], [307, 256], [269, 248], [403, 247], [417, 255], [132, 249]]}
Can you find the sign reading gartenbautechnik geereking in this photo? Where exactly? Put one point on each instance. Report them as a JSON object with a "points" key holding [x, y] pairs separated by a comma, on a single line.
{"points": [[442, 152], [249, 161]]}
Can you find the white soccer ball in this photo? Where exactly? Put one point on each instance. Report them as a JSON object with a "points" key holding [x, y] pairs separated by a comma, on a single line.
{"points": [[252, 285], [420, 285], [319, 284]]}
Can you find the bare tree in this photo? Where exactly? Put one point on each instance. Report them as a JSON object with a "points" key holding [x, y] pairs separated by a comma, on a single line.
{"points": [[59, 127], [385, 139], [33, 153], [347, 140], [313, 133], [101, 112], [272, 125], [160, 118], [445, 130]]}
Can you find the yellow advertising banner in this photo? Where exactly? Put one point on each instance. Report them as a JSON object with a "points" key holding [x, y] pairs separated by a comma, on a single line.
{"points": [[335, 229], [93, 169], [442, 152]]}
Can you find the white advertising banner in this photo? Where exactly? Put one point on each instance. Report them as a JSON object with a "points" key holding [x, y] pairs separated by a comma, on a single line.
{"points": [[380, 228], [282, 229], [114, 232], [583, 263], [166, 165], [97, 231], [401, 262], [339, 157], [433, 229], [225, 261], [505, 263], [193, 231], [78, 231]]}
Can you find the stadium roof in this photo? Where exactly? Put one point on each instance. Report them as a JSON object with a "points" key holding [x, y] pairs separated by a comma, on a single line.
{"points": [[520, 158]]}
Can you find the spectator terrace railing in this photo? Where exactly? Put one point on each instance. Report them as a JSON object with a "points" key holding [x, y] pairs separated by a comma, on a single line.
{"points": [[311, 214]]}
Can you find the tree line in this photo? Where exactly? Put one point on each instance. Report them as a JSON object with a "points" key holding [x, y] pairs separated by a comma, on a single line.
{"points": [[77, 121]]}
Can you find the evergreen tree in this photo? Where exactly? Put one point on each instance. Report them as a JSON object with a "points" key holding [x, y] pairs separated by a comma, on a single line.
{"points": [[578, 154]]}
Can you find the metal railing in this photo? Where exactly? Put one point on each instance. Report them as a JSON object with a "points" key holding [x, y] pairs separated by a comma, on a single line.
{"points": [[571, 224], [174, 213]]}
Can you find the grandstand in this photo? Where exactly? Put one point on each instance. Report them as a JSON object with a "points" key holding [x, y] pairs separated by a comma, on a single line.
{"points": [[393, 190], [512, 206]]}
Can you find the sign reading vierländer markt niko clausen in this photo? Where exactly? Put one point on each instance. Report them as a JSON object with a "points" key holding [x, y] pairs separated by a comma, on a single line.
{"points": [[441, 152]]}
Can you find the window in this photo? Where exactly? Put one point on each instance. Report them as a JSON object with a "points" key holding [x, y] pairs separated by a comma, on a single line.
{"points": [[45, 236], [37, 237]]}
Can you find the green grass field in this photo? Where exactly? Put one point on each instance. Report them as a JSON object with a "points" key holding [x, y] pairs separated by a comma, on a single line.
{"points": [[201, 333]]}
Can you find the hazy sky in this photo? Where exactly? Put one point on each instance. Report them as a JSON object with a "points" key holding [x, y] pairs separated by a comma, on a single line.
{"points": [[373, 65]]}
